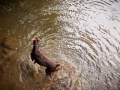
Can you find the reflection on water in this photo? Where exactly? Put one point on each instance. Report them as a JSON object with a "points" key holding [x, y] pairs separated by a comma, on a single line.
{"points": [[82, 35]]}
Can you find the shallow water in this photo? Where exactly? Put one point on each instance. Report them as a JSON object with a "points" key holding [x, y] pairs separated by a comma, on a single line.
{"points": [[81, 35]]}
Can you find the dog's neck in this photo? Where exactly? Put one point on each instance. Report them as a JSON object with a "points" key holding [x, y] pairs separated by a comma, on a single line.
{"points": [[36, 44]]}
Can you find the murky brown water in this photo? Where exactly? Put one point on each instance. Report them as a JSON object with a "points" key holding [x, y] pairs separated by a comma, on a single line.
{"points": [[82, 35]]}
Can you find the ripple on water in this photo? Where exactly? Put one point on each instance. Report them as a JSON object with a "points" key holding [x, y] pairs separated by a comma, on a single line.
{"points": [[82, 35]]}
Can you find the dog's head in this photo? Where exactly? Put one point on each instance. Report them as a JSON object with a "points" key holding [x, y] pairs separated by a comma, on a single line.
{"points": [[35, 38]]}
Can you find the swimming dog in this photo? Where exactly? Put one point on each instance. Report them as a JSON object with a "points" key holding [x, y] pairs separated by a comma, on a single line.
{"points": [[41, 59]]}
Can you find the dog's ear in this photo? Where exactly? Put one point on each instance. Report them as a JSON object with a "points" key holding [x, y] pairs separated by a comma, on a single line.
{"points": [[33, 39], [38, 39]]}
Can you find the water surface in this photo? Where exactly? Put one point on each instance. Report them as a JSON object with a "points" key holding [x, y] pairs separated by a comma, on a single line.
{"points": [[81, 35]]}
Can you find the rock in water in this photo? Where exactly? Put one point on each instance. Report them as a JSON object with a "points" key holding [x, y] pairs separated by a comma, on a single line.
{"points": [[9, 48], [11, 43]]}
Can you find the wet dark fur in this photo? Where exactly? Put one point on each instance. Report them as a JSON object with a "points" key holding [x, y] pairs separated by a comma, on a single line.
{"points": [[40, 59]]}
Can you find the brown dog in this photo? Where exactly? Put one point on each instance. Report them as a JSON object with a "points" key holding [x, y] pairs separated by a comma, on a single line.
{"points": [[40, 59]]}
